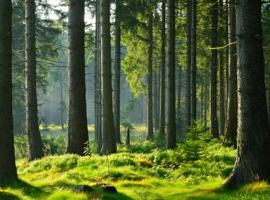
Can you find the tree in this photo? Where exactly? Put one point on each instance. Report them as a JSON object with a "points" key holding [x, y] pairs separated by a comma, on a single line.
{"points": [[32, 125], [108, 131], [171, 141], [231, 122], [7, 156], [162, 71], [253, 148], [77, 119], [150, 135], [188, 72], [193, 60], [214, 67], [117, 73]]}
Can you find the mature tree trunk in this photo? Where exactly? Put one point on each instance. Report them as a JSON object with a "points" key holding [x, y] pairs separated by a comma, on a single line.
{"points": [[188, 72], [117, 73], [98, 111], [214, 67], [156, 102], [108, 131], [171, 142], [162, 73], [62, 104], [193, 61], [32, 126], [77, 119], [253, 148], [178, 102], [150, 135], [221, 71], [231, 122], [7, 156]]}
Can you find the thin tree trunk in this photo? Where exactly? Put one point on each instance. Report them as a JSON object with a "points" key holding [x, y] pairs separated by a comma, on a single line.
{"points": [[188, 72], [108, 131], [178, 103], [32, 126], [77, 119], [7, 156], [171, 142], [253, 148], [150, 135], [162, 73], [156, 120], [98, 100], [117, 73], [231, 122], [62, 105], [193, 61], [214, 67]]}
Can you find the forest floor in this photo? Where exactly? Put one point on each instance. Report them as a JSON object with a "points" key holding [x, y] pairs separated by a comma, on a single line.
{"points": [[197, 169]]}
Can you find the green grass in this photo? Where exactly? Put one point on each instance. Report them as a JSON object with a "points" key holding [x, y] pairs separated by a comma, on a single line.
{"points": [[197, 169]]}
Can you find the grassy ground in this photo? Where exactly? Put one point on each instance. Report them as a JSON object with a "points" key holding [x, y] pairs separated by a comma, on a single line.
{"points": [[195, 170]]}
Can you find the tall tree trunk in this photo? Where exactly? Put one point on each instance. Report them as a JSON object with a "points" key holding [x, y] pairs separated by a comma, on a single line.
{"points": [[77, 119], [221, 71], [188, 72], [253, 148], [150, 135], [7, 156], [98, 100], [117, 73], [62, 104], [32, 126], [162, 73], [231, 122], [214, 67], [156, 103], [193, 61], [178, 103], [108, 131], [171, 142]]}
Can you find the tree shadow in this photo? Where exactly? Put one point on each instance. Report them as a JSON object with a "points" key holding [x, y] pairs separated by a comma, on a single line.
{"points": [[8, 196]]}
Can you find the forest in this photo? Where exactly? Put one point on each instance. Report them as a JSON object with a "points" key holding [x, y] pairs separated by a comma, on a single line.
{"points": [[134, 99]]}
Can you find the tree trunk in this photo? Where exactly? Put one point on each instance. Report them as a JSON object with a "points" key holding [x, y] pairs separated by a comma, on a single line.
{"points": [[171, 142], [7, 156], [214, 67], [117, 73], [188, 72], [178, 103], [98, 111], [108, 131], [231, 122], [193, 61], [150, 135], [253, 148], [62, 104], [162, 73], [32, 126], [77, 119]]}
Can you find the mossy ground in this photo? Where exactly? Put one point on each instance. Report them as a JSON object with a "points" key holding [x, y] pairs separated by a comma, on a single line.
{"points": [[197, 169]]}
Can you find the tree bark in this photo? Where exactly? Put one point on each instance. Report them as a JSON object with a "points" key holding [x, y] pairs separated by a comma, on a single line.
{"points": [[193, 61], [253, 148], [7, 156], [231, 122], [162, 73], [214, 67], [98, 100], [32, 125], [77, 119], [108, 131], [150, 135], [171, 141], [188, 72], [117, 73]]}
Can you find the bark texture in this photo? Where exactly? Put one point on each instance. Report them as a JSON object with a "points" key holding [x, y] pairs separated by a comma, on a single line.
{"points": [[108, 131], [171, 140], [253, 148], [117, 73], [7, 156], [77, 119], [214, 67], [231, 122], [32, 126]]}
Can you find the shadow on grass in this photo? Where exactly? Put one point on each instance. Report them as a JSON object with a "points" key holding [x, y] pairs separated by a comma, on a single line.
{"points": [[8, 196]]}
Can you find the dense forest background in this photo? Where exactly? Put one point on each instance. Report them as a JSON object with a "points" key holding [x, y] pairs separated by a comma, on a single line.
{"points": [[124, 99]]}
